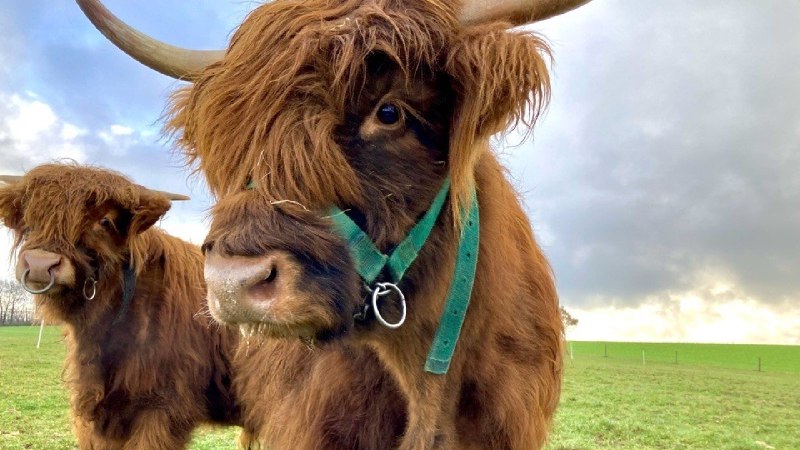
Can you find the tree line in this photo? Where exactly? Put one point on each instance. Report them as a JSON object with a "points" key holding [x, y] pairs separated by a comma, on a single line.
{"points": [[16, 305]]}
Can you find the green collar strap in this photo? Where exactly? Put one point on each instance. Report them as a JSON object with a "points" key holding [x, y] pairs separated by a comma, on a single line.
{"points": [[370, 262], [455, 307]]}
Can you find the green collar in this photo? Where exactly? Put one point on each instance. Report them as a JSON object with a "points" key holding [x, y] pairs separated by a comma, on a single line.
{"points": [[370, 262]]}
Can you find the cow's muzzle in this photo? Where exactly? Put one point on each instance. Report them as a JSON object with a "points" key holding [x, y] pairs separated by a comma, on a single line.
{"points": [[247, 290], [40, 271], [276, 294]]}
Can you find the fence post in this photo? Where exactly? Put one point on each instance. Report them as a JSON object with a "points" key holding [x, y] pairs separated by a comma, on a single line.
{"points": [[571, 352], [605, 350], [41, 328], [643, 360], [759, 364]]}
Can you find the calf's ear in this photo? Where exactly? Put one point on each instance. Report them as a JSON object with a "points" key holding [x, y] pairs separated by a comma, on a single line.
{"points": [[152, 205], [500, 78], [11, 205]]}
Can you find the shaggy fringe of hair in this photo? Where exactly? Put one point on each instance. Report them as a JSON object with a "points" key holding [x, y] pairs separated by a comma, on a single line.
{"points": [[268, 110], [502, 80], [64, 192]]}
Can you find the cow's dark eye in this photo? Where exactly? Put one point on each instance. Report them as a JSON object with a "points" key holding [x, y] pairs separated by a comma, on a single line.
{"points": [[388, 114], [108, 224]]}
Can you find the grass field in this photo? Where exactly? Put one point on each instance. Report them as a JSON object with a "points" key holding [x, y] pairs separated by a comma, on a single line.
{"points": [[34, 404], [774, 358], [607, 403]]}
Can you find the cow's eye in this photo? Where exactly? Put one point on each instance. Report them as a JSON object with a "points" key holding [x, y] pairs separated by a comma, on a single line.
{"points": [[108, 224], [389, 114]]}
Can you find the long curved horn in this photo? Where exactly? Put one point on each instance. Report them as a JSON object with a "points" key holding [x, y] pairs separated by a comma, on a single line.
{"points": [[176, 62], [172, 197], [518, 12], [10, 179]]}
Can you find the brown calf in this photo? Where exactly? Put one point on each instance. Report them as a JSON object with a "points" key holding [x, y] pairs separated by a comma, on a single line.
{"points": [[145, 365]]}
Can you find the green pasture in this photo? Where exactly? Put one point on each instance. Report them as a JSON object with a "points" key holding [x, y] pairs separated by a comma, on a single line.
{"points": [[34, 405], [607, 403], [774, 358], [610, 404]]}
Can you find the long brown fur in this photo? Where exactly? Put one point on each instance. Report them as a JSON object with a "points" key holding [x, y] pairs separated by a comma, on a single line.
{"points": [[148, 380], [274, 111]]}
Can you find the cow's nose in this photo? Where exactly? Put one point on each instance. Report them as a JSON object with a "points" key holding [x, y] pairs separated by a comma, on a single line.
{"points": [[243, 289], [42, 266]]}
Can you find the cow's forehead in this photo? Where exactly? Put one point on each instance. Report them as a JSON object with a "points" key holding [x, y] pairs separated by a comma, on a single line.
{"points": [[293, 72], [70, 192]]}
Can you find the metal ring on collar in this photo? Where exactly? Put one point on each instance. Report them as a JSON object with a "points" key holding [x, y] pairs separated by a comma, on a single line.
{"points": [[94, 288], [382, 289], [39, 291]]}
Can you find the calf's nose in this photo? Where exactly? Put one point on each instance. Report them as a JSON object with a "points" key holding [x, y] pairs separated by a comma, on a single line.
{"points": [[42, 266]]}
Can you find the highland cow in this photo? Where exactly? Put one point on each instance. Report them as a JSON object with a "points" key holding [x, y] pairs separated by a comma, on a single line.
{"points": [[359, 202], [145, 363]]}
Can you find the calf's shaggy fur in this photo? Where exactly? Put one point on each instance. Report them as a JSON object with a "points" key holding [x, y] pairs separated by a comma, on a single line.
{"points": [[141, 379]]}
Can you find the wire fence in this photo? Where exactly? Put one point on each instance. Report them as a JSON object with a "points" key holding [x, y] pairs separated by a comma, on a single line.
{"points": [[762, 358]]}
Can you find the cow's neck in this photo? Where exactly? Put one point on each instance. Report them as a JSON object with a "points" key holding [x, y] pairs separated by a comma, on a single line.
{"points": [[105, 316], [102, 336], [394, 201]]}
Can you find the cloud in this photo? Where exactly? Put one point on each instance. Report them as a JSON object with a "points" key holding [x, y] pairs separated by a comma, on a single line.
{"points": [[31, 133], [121, 130], [721, 314], [671, 147]]}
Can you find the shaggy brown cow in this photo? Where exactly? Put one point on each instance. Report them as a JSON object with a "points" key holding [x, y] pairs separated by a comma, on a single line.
{"points": [[145, 364], [382, 108]]}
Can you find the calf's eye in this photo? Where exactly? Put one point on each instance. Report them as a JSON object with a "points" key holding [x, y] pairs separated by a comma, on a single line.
{"points": [[106, 223], [388, 114]]}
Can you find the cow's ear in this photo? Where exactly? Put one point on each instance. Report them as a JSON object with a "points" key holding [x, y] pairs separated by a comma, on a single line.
{"points": [[11, 205], [151, 206], [500, 78]]}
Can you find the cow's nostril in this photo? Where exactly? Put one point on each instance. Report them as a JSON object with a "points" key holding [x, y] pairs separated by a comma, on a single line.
{"points": [[207, 247], [265, 290], [272, 275]]}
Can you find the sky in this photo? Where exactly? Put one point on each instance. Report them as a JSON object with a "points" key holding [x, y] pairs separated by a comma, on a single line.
{"points": [[663, 183]]}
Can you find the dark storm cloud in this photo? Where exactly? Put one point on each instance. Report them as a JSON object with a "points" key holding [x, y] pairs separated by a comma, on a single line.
{"points": [[672, 147]]}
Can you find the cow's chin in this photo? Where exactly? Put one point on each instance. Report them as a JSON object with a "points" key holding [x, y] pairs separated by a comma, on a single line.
{"points": [[55, 293], [61, 302], [270, 318], [280, 331]]}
